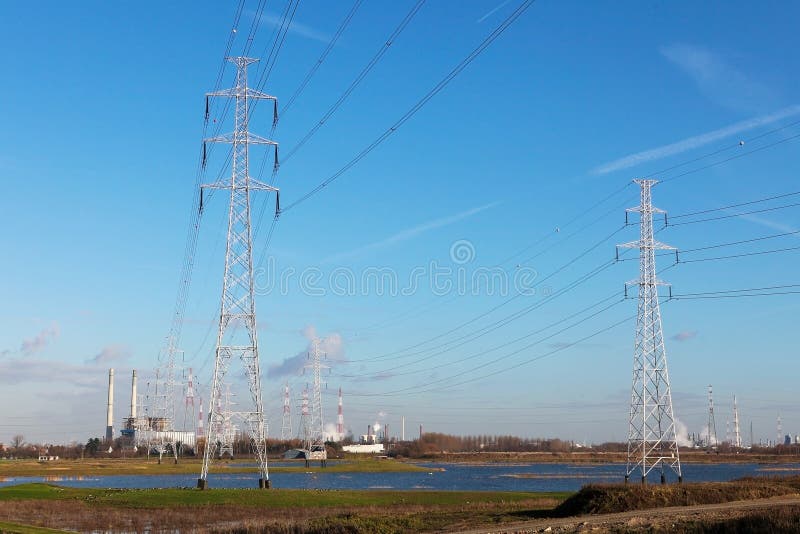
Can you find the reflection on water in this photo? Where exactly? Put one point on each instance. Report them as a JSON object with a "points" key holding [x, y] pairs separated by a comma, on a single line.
{"points": [[62, 478], [488, 477]]}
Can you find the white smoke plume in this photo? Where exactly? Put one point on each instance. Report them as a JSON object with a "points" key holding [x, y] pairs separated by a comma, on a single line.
{"points": [[682, 434], [41, 340], [332, 346]]}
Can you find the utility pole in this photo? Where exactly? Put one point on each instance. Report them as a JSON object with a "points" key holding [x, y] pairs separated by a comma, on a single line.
{"points": [[711, 435], [286, 426], [237, 308], [737, 437], [652, 442]]}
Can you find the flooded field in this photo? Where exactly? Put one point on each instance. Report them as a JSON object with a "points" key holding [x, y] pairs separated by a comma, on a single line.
{"points": [[437, 476]]}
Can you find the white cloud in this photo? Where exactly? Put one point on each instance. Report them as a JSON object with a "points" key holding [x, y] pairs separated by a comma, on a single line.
{"points": [[767, 223], [16, 371], [296, 27], [694, 142], [718, 81], [409, 233]]}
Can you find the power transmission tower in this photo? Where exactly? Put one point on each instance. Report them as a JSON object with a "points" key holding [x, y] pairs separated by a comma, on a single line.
{"points": [[304, 430], [286, 427], [317, 450], [238, 303], [226, 430], [189, 409], [652, 442], [711, 435], [737, 437]]}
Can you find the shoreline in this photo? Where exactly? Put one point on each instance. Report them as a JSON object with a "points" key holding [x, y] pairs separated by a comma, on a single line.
{"points": [[349, 464]]}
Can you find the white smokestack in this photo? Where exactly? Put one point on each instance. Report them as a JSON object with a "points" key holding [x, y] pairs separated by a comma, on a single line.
{"points": [[133, 395], [110, 416]]}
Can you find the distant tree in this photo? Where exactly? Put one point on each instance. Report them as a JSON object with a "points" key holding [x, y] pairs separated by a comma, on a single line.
{"points": [[92, 446], [17, 442]]}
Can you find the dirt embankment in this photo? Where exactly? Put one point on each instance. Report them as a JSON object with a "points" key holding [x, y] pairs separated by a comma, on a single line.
{"points": [[760, 505], [613, 498]]}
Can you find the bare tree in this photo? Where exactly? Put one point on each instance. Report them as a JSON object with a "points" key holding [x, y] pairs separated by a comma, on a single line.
{"points": [[17, 442]]}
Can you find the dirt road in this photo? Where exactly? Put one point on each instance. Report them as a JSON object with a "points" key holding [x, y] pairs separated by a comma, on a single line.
{"points": [[663, 517]]}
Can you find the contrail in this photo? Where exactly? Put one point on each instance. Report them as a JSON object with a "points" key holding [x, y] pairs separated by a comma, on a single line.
{"points": [[693, 142], [492, 12], [409, 233]]}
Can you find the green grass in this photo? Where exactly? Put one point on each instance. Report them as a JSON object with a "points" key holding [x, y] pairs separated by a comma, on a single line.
{"points": [[13, 528], [141, 466], [275, 498]]}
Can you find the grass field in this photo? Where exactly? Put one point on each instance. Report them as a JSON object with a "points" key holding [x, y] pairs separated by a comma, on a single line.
{"points": [[140, 466], [239, 510], [13, 528]]}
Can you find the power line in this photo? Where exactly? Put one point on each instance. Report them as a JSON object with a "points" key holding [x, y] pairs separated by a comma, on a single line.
{"points": [[787, 289], [322, 57], [743, 255], [440, 389], [722, 217], [736, 145], [738, 205], [504, 303], [726, 160], [363, 74], [416, 107], [741, 242], [492, 349]]}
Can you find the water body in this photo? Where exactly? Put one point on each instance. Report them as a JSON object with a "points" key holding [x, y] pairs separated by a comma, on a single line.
{"points": [[485, 477]]}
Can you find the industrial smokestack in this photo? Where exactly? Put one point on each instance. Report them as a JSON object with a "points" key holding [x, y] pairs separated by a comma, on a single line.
{"points": [[110, 413], [340, 418], [133, 395], [420, 431], [200, 420], [403, 429]]}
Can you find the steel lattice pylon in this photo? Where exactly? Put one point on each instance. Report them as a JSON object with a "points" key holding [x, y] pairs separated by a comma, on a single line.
{"points": [[237, 337], [286, 425], [316, 440], [652, 442]]}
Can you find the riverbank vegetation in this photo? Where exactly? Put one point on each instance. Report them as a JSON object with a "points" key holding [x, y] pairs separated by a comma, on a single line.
{"points": [[185, 466], [280, 511], [613, 498], [604, 508]]}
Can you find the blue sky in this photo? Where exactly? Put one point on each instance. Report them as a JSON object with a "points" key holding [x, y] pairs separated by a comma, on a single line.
{"points": [[100, 139]]}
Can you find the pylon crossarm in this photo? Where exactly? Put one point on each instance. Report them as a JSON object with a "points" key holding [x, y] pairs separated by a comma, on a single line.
{"points": [[255, 185], [231, 138]]}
